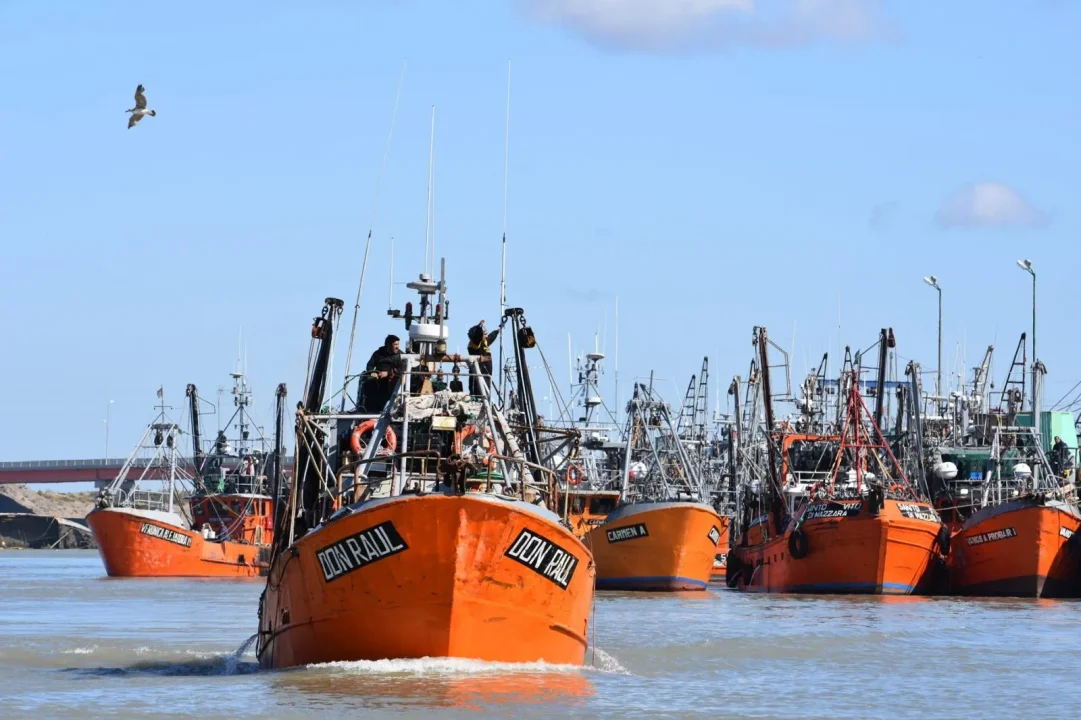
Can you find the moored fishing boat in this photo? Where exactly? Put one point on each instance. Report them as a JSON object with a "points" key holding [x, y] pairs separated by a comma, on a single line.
{"points": [[1022, 542], [156, 520], [864, 529], [662, 535], [657, 545], [426, 529], [1012, 506]]}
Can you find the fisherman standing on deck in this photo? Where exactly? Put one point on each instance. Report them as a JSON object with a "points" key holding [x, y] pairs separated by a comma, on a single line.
{"points": [[1060, 457], [382, 371], [480, 346]]}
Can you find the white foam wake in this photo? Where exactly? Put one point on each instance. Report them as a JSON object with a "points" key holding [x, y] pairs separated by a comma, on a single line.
{"points": [[597, 660], [442, 666], [605, 663]]}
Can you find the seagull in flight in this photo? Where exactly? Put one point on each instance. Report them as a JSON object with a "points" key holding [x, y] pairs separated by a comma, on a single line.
{"points": [[139, 110]]}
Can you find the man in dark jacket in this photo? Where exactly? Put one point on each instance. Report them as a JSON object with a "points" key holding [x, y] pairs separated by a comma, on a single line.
{"points": [[383, 369], [480, 342], [1060, 456]]}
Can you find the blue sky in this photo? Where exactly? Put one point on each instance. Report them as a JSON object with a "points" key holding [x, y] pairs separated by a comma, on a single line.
{"points": [[715, 163]]}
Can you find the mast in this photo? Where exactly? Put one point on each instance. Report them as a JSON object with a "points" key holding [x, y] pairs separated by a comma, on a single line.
{"points": [[197, 448], [279, 453], [735, 435], [774, 502], [307, 468], [880, 384], [428, 204]]}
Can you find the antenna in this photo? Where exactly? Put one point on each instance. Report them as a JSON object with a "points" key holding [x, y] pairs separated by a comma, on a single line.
{"points": [[390, 294], [615, 361], [428, 212], [506, 178], [368, 243], [503, 258], [570, 360], [432, 172]]}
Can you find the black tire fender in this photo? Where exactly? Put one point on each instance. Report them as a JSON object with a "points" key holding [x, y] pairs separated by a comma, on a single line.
{"points": [[943, 540], [797, 544]]}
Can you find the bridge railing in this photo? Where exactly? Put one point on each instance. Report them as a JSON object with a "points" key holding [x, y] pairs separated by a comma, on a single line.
{"points": [[87, 464]]}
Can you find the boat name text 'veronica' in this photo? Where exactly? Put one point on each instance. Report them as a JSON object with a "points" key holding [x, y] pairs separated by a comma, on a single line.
{"points": [[1004, 534], [714, 535], [917, 512], [543, 557], [157, 531], [832, 510], [360, 550], [630, 532]]}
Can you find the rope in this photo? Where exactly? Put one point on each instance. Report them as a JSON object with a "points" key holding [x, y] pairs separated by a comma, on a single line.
{"points": [[594, 611]]}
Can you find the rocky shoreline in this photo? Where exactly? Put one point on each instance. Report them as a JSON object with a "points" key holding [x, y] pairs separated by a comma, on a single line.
{"points": [[34, 519]]}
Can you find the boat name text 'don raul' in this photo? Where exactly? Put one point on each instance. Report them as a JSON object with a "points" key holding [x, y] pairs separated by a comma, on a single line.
{"points": [[543, 557], [360, 550]]}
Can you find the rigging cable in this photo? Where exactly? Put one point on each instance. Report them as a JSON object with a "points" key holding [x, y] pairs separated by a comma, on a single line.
{"points": [[368, 243]]}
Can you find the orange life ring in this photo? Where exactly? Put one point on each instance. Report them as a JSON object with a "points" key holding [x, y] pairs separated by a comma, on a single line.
{"points": [[574, 475], [356, 441], [467, 432]]}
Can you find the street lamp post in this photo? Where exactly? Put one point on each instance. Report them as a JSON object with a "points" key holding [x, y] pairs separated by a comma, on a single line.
{"points": [[933, 282], [1026, 265], [108, 413]]}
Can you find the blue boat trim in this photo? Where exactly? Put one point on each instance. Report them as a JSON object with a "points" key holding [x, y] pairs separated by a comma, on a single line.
{"points": [[658, 579], [849, 587]]}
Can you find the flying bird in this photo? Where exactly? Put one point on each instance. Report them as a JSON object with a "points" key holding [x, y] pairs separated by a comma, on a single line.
{"points": [[139, 110]]}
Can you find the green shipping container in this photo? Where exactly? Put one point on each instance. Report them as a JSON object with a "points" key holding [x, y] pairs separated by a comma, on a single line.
{"points": [[1052, 424]]}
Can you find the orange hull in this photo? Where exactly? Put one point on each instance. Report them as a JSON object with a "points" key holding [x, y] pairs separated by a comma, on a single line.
{"points": [[848, 550], [469, 576], [657, 546], [1019, 549], [135, 545]]}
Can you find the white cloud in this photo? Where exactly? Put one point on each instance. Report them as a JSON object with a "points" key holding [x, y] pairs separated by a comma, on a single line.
{"points": [[989, 204], [692, 25]]}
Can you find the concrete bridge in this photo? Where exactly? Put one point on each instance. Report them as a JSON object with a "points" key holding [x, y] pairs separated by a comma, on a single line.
{"points": [[101, 472]]}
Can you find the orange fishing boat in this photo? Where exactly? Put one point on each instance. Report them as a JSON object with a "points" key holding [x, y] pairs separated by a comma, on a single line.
{"points": [[428, 529], [866, 530], [1011, 506], [657, 546], [1022, 541], [155, 520], [840, 547], [661, 536], [1023, 548]]}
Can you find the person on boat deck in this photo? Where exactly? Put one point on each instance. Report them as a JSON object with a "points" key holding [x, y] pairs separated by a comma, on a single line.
{"points": [[456, 382], [1060, 456], [480, 342], [382, 369]]}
